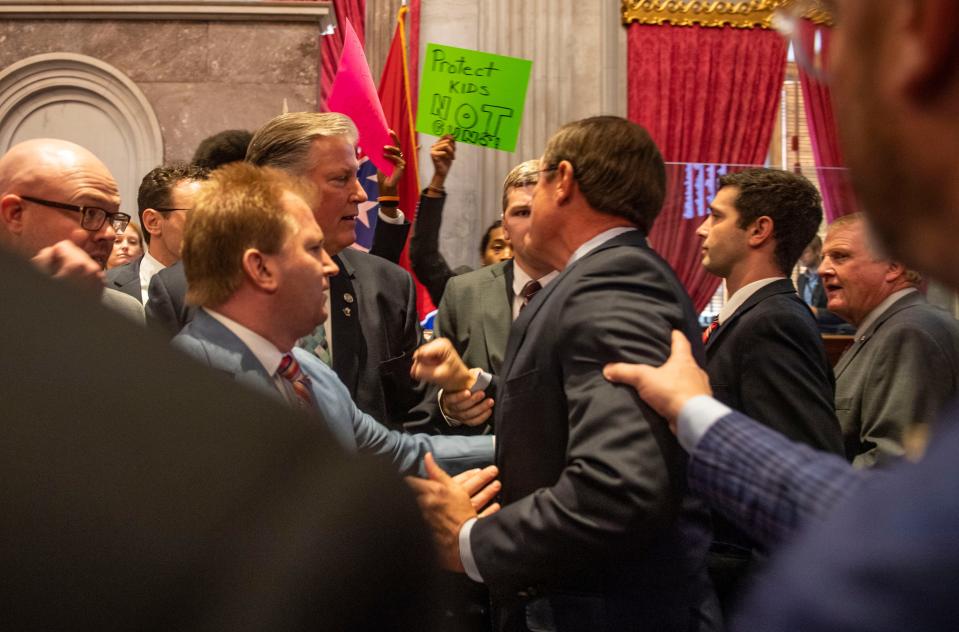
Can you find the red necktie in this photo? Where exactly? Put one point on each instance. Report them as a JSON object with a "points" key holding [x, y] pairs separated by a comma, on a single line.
{"points": [[289, 370], [713, 326], [528, 292]]}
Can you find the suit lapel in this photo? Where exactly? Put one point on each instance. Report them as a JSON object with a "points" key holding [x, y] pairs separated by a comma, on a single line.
{"points": [[517, 333], [127, 280], [345, 321], [496, 314], [782, 286], [905, 302], [231, 354]]}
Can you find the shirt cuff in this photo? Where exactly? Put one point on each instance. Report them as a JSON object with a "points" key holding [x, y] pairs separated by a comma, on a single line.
{"points": [[466, 553], [696, 418], [483, 380], [399, 219]]}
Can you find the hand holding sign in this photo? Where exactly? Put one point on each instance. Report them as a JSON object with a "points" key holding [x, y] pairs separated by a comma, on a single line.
{"points": [[475, 97]]}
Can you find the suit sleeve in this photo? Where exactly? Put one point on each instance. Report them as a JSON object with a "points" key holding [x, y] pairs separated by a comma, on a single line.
{"points": [[765, 484], [883, 561], [161, 313], [909, 381], [428, 264], [620, 486], [785, 382], [389, 240]]}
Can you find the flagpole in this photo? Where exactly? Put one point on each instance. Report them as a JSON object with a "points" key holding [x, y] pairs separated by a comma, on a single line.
{"points": [[406, 90]]}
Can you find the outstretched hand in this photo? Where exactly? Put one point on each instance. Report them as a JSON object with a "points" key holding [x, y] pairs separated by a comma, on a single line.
{"points": [[437, 362], [666, 388], [446, 505]]}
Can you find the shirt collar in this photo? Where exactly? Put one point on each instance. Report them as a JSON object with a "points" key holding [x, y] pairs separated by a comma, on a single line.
{"points": [[597, 241], [520, 279], [742, 295], [879, 309], [262, 349]]}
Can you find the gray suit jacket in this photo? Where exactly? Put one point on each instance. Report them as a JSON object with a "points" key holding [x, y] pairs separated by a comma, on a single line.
{"points": [[476, 314], [211, 343], [900, 371], [126, 279], [123, 304]]}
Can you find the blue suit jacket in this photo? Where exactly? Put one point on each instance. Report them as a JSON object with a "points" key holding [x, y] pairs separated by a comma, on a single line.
{"points": [[210, 342], [876, 550]]}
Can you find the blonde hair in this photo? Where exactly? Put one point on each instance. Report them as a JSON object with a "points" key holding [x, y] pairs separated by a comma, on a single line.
{"points": [[238, 208], [285, 141], [523, 174]]}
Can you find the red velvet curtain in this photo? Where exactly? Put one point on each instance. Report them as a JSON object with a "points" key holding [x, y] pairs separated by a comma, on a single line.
{"points": [[707, 95], [332, 45], [837, 195]]}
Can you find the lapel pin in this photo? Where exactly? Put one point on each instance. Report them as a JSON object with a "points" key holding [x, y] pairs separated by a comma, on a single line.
{"points": [[348, 297], [347, 312]]}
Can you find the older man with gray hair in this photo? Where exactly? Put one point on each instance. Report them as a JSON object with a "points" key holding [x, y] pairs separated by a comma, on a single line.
{"points": [[904, 364]]}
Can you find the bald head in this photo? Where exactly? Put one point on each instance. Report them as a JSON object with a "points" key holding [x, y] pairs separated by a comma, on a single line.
{"points": [[54, 171]]}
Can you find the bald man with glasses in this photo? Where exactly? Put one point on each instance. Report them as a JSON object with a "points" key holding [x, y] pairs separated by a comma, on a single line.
{"points": [[58, 209]]}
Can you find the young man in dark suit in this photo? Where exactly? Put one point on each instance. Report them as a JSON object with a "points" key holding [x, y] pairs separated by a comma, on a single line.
{"points": [[764, 354], [164, 199]]}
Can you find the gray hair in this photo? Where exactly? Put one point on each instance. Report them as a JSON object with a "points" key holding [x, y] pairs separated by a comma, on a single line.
{"points": [[285, 141]]}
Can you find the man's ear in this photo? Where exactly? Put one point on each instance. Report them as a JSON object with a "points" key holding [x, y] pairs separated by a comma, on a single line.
{"points": [[151, 222], [566, 181], [760, 231], [894, 272], [258, 269], [11, 213]]}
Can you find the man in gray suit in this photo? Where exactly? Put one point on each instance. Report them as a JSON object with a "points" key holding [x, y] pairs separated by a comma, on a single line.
{"points": [[904, 364], [256, 265], [58, 208], [478, 307]]}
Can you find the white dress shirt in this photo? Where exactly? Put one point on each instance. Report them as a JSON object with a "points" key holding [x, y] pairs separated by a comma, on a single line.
{"points": [[149, 266], [741, 295]]}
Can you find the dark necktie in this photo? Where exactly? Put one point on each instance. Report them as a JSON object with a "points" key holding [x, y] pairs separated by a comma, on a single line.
{"points": [[289, 370], [529, 291], [713, 326]]}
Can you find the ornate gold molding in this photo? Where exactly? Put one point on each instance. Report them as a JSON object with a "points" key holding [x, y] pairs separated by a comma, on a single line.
{"points": [[743, 14]]}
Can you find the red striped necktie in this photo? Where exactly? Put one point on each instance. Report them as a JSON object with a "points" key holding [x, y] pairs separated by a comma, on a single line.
{"points": [[289, 370], [713, 326]]}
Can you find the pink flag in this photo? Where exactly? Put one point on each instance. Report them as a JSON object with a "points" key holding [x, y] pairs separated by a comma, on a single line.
{"points": [[354, 94]]}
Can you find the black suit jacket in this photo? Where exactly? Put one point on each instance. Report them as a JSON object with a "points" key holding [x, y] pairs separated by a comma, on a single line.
{"points": [[767, 361], [126, 279], [595, 515], [389, 240], [214, 508], [375, 332], [166, 310], [427, 263]]}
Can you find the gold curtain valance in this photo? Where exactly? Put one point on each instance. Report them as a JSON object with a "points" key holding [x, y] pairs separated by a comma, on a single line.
{"points": [[743, 14]]}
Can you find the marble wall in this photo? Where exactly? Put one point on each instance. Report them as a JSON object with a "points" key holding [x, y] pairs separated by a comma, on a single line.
{"points": [[199, 77]]}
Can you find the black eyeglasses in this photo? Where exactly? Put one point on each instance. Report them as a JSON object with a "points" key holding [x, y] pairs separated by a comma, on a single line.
{"points": [[91, 217]]}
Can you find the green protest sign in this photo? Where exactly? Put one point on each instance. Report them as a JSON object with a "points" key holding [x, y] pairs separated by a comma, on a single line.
{"points": [[477, 97]]}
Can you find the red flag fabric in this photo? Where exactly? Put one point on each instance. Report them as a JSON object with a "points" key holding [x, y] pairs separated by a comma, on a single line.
{"points": [[397, 106]]}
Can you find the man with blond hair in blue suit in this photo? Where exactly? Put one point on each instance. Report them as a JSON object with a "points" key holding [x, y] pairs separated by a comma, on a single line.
{"points": [[254, 258]]}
